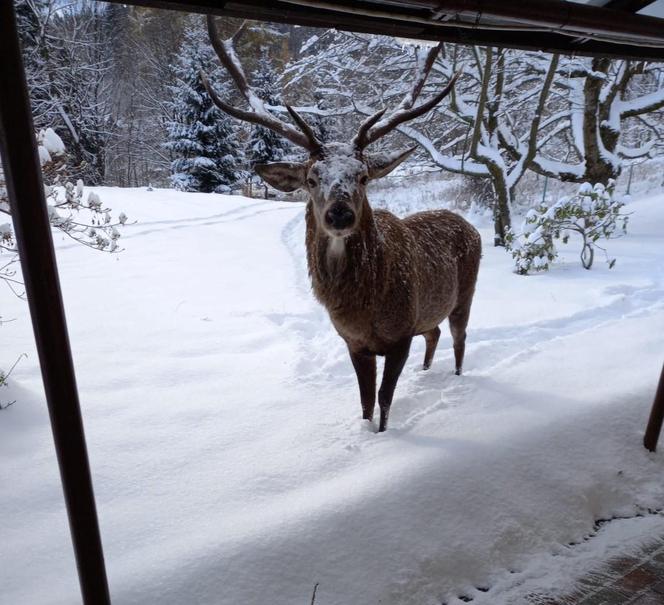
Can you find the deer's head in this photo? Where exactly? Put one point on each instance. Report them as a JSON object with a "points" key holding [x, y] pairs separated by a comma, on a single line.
{"points": [[336, 174], [336, 178]]}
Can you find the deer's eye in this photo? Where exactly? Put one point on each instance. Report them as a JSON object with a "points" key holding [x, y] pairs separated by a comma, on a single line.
{"points": [[311, 183], [364, 180]]}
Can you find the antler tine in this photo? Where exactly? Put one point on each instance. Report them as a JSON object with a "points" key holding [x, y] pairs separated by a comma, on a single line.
{"points": [[305, 128], [406, 111], [409, 100], [401, 116], [258, 113], [224, 50], [360, 141]]}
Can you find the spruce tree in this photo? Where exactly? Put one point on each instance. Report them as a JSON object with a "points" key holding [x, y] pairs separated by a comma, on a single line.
{"points": [[266, 145], [200, 136]]}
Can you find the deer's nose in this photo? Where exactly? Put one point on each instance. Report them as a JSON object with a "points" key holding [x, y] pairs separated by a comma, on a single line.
{"points": [[339, 216]]}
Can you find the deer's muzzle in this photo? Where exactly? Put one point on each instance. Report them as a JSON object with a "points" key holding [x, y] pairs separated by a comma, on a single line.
{"points": [[339, 216]]}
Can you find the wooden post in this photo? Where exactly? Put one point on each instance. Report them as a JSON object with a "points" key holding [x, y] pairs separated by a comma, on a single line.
{"points": [[18, 148], [656, 417]]}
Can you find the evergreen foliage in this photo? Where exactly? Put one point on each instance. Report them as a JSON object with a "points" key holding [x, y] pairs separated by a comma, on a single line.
{"points": [[201, 138]]}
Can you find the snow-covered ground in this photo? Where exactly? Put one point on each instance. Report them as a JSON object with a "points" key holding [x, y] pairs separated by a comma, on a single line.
{"points": [[230, 462]]}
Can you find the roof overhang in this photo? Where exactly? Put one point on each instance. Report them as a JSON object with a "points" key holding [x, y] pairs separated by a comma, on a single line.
{"points": [[608, 28]]}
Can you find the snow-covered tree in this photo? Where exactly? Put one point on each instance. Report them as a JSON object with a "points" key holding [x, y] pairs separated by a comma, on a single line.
{"points": [[568, 118], [144, 44], [493, 95], [264, 144], [201, 138], [67, 62], [606, 111]]}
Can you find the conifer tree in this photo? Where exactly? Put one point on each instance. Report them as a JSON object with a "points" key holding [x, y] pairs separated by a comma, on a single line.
{"points": [[200, 137]]}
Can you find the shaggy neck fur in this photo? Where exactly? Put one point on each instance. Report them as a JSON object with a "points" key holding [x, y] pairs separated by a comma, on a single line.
{"points": [[343, 271]]}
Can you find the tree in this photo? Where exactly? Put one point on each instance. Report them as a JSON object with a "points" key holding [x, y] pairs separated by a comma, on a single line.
{"points": [[201, 138], [66, 63], [606, 111], [144, 44], [491, 97], [264, 144]]}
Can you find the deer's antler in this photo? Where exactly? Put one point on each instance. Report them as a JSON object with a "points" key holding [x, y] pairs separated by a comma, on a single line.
{"points": [[258, 114], [374, 128]]}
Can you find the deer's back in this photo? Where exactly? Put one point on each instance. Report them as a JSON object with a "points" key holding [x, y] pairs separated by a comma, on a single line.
{"points": [[442, 251]]}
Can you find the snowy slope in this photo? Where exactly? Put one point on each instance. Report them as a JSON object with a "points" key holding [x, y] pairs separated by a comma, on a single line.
{"points": [[230, 462]]}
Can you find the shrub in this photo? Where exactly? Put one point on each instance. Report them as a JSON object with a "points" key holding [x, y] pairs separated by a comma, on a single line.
{"points": [[594, 213]]}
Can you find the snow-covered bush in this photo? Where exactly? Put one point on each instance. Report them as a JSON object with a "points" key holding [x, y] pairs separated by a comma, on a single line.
{"points": [[594, 213], [84, 219]]}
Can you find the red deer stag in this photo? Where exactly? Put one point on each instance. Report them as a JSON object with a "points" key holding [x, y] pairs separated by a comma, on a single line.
{"points": [[382, 279]]}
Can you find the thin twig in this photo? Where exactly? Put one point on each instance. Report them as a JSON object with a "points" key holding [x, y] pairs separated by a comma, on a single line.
{"points": [[313, 596]]}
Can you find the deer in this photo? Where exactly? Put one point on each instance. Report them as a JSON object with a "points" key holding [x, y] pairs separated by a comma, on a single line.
{"points": [[383, 280]]}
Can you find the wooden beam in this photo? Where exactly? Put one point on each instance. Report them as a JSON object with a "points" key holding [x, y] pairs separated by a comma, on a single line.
{"points": [[628, 6], [561, 17], [409, 23], [656, 417], [33, 236]]}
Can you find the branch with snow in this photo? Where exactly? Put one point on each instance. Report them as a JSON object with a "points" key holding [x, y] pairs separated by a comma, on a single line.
{"points": [[83, 218]]}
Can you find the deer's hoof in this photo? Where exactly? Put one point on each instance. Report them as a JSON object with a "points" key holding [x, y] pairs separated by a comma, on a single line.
{"points": [[426, 366], [457, 372]]}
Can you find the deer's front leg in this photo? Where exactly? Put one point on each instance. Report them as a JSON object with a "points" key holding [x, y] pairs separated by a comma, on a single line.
{"points": [[395, 359], [364, 363]]}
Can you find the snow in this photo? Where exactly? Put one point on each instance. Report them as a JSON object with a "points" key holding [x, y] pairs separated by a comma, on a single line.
{"points": [[44, 155], [223, 423], [49, 145], [51, 142]]}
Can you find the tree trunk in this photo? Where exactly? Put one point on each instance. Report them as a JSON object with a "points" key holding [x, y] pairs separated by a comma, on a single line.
{"points": [[596, 134], [502, 219]]}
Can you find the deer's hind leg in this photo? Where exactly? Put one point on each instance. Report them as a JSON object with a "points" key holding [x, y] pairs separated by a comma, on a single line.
{"points": [[458, 320], [431, 337]]}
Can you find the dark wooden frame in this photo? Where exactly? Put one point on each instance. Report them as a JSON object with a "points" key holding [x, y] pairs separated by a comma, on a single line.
{"points": [[497, 23], [42, 285], [656, 419], [33, 232]]}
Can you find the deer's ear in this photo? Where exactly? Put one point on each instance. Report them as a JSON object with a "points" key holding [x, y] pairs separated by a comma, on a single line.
{"points": [[380, 164], [284, 176]]}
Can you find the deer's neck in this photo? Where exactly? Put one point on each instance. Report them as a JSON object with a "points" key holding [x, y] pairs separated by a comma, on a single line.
{"points": [[343, 270]]}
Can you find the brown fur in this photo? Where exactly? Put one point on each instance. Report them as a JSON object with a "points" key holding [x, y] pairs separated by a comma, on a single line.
{"points": [[382, 279], [398, 277]]}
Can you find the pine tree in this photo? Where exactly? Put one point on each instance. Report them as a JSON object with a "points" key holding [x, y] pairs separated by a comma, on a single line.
{"points": [[266, 145], [200, 137]]}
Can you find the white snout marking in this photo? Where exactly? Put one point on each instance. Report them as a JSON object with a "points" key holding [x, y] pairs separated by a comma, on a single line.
{"points": [[336, 247]]}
